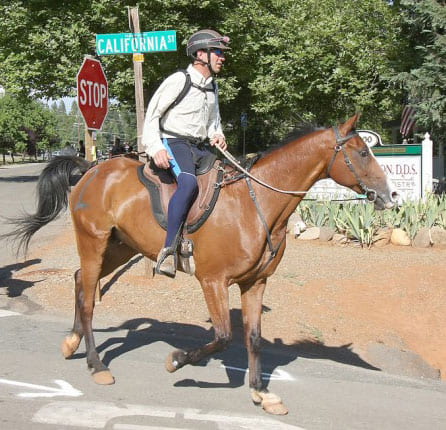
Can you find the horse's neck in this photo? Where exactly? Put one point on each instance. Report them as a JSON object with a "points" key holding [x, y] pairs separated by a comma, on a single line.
{"points": [[293, 167]]}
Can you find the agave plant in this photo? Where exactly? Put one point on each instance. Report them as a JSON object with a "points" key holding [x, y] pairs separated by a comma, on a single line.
{"points": [[359, 222], [314, 213]]}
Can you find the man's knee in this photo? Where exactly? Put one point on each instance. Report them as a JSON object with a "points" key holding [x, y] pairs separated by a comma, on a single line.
{"points": [[187, 183]]}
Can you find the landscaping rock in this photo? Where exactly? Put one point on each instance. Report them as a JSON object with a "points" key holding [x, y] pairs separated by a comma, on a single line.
{"points": [[339, 238], [422, 239], [311, 234], [399, 237], [326, 234], [382, 237], [295, 225], [438, 236]]}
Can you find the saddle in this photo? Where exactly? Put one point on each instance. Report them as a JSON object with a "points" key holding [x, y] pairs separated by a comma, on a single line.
{"points": [[161, 185]]}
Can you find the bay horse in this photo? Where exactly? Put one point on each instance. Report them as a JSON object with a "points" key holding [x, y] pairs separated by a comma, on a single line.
{"points": [[242, 241]]}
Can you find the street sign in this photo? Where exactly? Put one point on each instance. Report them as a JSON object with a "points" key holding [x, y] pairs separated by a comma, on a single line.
{"points": [[134, 43], [244, 119], [92, 93]]}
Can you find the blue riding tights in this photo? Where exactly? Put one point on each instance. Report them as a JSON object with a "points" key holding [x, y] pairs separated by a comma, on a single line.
{"points": [[179, 204], [183, 166]]}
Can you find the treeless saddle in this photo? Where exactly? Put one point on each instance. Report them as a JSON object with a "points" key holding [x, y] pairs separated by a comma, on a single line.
{"points": [[161, 185]]}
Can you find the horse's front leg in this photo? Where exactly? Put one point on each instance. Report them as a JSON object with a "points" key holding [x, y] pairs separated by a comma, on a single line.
{"points": [[217, 300], [252, 299]]}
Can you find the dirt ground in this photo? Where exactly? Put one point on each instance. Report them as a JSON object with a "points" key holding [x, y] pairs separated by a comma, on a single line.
{"points": [[385, 307]]}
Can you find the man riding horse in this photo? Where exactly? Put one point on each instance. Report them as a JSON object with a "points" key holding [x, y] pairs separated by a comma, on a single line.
{"points": [[182, 116]]}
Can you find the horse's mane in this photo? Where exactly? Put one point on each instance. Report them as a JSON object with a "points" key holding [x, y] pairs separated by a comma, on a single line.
{"points": [[296, 133]]}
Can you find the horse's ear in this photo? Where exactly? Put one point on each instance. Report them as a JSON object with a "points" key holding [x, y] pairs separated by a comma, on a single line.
{"points": [[350, 124]]}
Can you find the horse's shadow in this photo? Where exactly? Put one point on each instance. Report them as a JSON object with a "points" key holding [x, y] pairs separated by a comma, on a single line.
{"points": [[144, 331], [15, 287]]}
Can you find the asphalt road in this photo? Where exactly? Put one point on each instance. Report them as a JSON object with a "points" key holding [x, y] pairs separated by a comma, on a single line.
{"points": [[40, 390]]}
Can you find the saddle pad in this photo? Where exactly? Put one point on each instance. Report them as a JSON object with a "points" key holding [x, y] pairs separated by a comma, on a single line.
{"points": [[161, 185]]}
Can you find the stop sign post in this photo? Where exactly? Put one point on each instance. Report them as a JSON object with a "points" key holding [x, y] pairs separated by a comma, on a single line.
{"points": [[92, 99]]}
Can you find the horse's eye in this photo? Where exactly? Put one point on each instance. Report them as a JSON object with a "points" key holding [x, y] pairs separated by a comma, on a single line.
{"points": [[364, 153]]}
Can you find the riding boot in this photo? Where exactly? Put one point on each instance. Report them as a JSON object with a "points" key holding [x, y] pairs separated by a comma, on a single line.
{"points": [[166, 262]]}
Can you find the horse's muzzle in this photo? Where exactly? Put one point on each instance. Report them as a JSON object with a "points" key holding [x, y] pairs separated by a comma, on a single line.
{"points": [[384, 201]]}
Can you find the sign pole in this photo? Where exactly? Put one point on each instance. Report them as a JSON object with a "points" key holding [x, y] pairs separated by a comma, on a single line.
{"points": [[139, 102], [90, 149], [139, 95]]}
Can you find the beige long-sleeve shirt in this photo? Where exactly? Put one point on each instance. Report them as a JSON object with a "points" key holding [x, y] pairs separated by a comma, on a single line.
{"points": [[196, 116]]}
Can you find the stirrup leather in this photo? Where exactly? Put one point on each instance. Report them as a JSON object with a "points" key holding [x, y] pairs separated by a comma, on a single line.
{"points": [[186, 256]]}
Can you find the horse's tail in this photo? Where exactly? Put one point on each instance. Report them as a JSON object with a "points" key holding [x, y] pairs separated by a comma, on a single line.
{"points": [[53, 186]]}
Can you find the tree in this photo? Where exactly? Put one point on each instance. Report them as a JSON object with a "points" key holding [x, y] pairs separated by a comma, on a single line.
{"points": [[25, 126], [291, 61], [11, 125], [40, 123], [425, 78]]}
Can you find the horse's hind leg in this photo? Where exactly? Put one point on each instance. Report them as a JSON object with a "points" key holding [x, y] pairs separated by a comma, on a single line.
{"points": [[72, 341], [91, 252], [95, 267], [252, 298], [217, 299]]}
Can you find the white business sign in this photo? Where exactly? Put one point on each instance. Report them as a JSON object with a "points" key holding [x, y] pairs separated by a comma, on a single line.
{"points": [[404, 173]]}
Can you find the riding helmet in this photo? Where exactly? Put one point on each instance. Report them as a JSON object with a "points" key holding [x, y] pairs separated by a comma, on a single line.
{"points": [[206, 40]]}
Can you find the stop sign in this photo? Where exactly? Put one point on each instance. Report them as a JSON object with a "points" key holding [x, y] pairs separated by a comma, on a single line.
{"points": [[92, 93]]}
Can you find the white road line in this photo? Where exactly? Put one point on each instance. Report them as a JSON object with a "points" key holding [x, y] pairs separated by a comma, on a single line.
{"points": [[5, 313], [87, 414], [63, 389], [137, 427]]}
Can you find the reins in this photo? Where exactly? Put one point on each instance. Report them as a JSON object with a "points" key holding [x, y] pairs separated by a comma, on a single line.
{"points": [[340, 141], [237, 165]]}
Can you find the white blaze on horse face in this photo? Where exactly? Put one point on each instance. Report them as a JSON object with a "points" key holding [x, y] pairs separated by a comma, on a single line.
{"points": [[392, 194]]}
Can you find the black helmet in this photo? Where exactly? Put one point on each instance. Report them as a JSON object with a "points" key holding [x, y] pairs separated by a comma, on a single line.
{"points": [[206, 39]]}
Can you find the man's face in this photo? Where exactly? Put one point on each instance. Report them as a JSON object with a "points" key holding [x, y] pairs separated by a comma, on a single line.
{"points": [[217, 58]]}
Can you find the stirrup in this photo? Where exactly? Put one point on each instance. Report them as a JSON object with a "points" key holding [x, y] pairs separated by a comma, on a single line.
{"points": [[166, 262]]}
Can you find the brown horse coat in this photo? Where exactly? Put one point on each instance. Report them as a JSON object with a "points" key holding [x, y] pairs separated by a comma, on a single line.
{"points": [[113, 221]]}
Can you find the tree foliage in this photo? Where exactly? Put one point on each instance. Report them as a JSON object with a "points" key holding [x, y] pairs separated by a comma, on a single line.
{"points": [[425, 77], [11, 126], [290, 62], [25, 125]]}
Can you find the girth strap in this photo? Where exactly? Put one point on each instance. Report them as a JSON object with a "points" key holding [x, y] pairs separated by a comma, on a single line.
{"points": [[273, 250]]}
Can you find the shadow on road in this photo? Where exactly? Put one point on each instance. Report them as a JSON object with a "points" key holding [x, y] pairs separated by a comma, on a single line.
{"points": [[144, 331], [15, 287]]}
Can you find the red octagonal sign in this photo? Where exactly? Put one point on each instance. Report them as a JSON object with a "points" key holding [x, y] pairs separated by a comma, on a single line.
{"points": [[92, 93]]}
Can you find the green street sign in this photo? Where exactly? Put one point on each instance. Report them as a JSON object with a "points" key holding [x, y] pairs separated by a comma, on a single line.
{"points": [[133, 43]]}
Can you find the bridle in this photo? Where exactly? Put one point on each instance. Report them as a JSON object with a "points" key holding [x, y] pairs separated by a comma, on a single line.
{"points": [[340, 141]]}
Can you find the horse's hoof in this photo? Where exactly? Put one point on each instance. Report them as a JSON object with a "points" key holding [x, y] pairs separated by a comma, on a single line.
{"points": [[270, 402], [171, 364], [70, 344], [103, 377]]}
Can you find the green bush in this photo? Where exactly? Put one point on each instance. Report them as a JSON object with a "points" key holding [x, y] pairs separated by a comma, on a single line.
{"points": [[360, 222]]}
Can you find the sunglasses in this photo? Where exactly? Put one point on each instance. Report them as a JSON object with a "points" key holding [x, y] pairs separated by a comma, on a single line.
{"points": [[218, 52]]}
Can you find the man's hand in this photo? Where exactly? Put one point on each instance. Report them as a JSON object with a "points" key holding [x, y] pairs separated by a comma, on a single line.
{"points": [[161, 159], [220, 141]]}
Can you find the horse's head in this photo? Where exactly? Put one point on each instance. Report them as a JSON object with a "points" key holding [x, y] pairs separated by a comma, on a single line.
{"points": [[354, 165]]}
